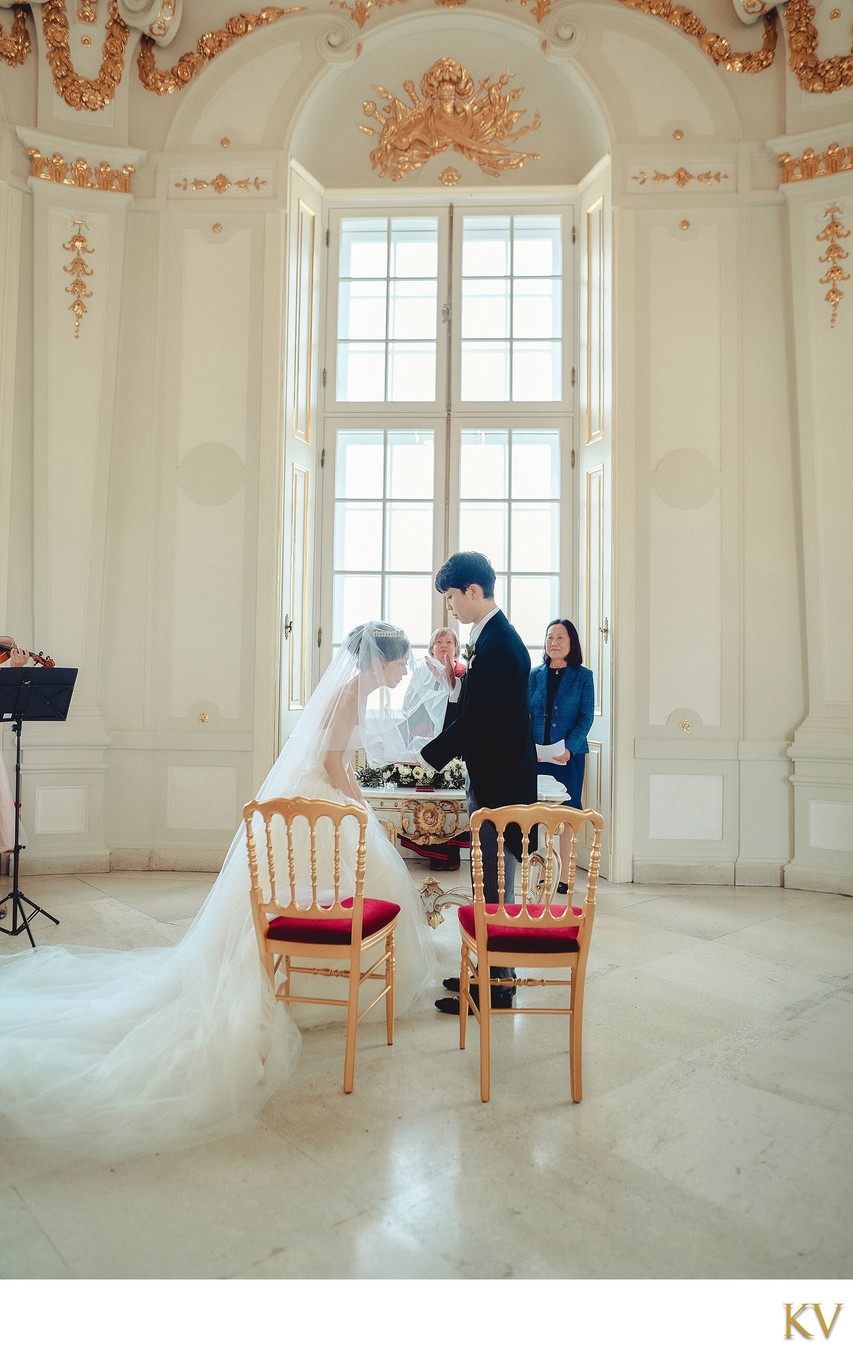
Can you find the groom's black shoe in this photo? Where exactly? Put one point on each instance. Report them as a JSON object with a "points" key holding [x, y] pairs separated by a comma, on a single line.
{"points": [[452, 983], [501, 997]]}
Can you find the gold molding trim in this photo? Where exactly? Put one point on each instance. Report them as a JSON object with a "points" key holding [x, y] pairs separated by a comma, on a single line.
{"points": [[15, 45], [813, 165], [208, 46], [220, 184], [453, 115], [680, 177], [79, 271], [832, 234], [717, 48], [78, 91], [79, 173]]}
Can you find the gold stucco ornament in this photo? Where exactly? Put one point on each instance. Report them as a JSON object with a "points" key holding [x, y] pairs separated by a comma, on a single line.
{"points": [[450, 116]]}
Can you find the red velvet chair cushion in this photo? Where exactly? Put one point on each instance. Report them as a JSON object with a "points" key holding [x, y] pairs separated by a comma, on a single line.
{"points": [[524, 938], [378, 914]]}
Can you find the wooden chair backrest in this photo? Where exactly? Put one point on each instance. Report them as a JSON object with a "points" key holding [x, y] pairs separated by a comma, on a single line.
{"points": [[285, 813], [553, 820]]}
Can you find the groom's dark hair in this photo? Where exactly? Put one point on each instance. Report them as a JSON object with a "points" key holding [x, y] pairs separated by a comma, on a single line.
{"points": [[463, 570]]}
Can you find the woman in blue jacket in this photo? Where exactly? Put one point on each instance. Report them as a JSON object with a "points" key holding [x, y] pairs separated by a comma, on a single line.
{"points": [[561, 697]]}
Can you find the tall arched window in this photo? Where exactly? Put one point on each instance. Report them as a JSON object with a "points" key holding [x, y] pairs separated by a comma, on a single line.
{"points": [[449, 395]]}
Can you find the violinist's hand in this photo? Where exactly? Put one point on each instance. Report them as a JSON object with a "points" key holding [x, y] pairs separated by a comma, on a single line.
{"points": [[18, 657]]}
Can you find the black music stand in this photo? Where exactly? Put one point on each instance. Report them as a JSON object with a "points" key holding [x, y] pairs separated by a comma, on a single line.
{"points": [[30, 693]]}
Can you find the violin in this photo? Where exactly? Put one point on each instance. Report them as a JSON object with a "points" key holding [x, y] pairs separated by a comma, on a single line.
{"points": [[6, 653]]}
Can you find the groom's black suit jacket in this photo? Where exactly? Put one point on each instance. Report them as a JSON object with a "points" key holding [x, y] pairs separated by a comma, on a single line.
{"points": [[491, 731]]}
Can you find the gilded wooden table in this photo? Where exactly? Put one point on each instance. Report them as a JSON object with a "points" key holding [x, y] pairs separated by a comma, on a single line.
{"points": [[428, 817]]}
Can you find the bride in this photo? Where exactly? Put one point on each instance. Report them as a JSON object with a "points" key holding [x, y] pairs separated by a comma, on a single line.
{"points": [[116, 1053]]}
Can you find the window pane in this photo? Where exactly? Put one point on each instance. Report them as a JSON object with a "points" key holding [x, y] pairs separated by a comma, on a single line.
{"points": [[535, 538], [409, 606], [361, 372], [536, 371], [485, 308], [485, 246], [414, 248], [533, 602], [536, 308], [411, 464], [484, 528], [359, 464], [483, 464], [411, 372], [364, 248], [485, 371], [413, 308], [408, 546], [358, 536], [361, 310], [356, 599], [535, 463], [536, 246]]}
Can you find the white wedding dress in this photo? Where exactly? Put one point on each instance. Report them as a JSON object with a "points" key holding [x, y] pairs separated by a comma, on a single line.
{"points": [[109, 1054]]}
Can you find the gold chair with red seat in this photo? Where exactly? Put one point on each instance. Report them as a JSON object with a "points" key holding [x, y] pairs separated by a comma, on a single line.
{"points": [[316, 924], [535, 933]]}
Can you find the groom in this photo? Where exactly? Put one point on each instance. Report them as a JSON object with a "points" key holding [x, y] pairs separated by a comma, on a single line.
{"points": [[491, 731]]}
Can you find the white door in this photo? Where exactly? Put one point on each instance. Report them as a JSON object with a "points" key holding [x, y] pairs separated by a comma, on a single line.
{"points": [[594, 493], [301, 454]]}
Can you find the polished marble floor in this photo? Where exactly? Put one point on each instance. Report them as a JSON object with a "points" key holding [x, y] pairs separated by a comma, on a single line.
{"points": [[714, 1140]]}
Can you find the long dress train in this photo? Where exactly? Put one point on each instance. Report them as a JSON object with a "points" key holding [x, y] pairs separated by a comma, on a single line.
{"points": [[115, 1053]]}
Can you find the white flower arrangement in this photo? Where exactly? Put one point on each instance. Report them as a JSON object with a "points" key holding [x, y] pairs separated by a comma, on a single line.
{"points": [[408, 774]]}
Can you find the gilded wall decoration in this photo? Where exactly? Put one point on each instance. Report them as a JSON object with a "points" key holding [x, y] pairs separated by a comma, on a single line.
{"points": [[360, 10], [78, 91], [680, 177], [220, 184], [79, 173], [208, 46], [15, 45], [813, 165], [80, 272], [478, 124], [450, 176], [833, 234], [717, 48], [814, 75]]}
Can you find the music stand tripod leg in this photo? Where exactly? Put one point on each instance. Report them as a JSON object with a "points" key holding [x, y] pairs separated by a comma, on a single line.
{"points": [[15, 894]]}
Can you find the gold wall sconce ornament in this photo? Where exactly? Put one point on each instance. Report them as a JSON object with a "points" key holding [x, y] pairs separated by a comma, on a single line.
{"points": [[15, 45], [680, 177], [208, 46], [814, 165], [79, 271], [79, 173], [833, 234], [220, 184], [452, 115]]}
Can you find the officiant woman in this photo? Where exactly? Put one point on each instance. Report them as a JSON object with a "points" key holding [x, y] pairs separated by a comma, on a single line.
{"points": [[561, 696]]}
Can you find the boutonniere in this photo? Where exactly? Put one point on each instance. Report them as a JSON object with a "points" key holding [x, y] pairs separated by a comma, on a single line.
{"points": [[468, 652]]}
